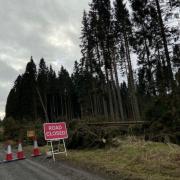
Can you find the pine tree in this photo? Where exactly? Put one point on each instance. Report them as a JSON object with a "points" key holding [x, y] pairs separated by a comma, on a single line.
{"points": [[101, 92], [28, 97], [51, 93], [42, 86], [164, 39], [65, 90], [145, 26], [124, 33], [11, 106]]}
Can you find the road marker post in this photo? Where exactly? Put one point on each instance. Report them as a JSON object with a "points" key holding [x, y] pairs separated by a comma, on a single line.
{"points": [[56, 132]]}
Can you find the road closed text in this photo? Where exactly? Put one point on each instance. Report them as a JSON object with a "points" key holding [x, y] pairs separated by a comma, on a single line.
{"points": [[55, 127], [54, 131]]}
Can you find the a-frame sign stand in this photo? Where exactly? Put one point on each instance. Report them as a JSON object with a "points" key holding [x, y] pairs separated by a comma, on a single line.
{"points": [[57, 151], [56, 132]]}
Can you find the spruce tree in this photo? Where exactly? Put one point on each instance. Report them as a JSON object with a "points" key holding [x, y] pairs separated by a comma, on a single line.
{"points": [[28, 96], [164, 39], [42, 86], [124, 34]]}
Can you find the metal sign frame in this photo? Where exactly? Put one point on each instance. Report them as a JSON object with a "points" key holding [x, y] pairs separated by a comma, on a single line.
{"points": [[53, 151], [59, 140]]}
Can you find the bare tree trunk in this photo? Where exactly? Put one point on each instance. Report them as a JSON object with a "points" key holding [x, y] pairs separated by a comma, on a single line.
{"points": [[131, 81], [104, 102], [43, 105], [163, 35], [95, 105], [92, 109], [103, 85], [109, 95], [82, 114], [66, 107], [69, 112], [70, 108], [118, 91], [98, 105], [150, 68], [62, 109], [114, 96]]}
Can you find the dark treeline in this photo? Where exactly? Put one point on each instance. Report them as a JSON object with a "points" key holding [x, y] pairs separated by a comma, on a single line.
{"points": [[104, 84], [42, 94]]}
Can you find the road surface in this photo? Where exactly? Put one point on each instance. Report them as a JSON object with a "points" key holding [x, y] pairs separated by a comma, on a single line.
{"points": [[42, 169]]}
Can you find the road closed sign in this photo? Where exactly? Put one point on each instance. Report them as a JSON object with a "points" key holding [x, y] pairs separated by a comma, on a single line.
{"points": [[55, 131]]}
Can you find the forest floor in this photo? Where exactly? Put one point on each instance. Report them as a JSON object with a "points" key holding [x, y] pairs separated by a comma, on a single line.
{"points": [[131, 159]]}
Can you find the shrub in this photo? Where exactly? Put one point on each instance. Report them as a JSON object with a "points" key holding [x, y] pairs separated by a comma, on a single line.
{"points": [[164, 120], [83, 136], [11, 128]]}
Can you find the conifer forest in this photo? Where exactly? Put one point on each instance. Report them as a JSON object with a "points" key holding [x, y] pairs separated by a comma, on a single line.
{"points": [[129, 71]]}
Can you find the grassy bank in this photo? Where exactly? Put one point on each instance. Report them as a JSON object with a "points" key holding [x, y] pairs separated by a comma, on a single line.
{"points": [[131, 159]]}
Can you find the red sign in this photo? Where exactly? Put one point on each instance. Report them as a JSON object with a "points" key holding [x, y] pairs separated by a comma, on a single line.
{"points": [[55, 131]]}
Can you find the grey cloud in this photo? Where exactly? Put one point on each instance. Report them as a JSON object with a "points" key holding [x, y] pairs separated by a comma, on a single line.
{"points": [[28, 23], [7, 76], [41, 28], [7, 73], [4, 90], [3, 94]]}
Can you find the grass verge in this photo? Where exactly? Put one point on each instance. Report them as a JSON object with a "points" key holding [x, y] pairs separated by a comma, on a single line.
{"points": [[132, 159]]}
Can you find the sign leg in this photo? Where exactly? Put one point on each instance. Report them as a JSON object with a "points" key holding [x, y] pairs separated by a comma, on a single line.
{"points": [[52, 150], [59, 145], [64, 147]]}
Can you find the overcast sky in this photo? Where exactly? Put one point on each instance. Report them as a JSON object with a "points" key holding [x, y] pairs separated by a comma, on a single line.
{"points": [[41, 28]]}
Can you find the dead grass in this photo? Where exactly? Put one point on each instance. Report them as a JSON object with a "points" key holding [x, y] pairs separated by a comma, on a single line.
{"points": [[132, 159]]}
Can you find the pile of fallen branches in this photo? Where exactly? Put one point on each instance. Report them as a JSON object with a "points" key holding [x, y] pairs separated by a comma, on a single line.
{"points": [[82, 135]]}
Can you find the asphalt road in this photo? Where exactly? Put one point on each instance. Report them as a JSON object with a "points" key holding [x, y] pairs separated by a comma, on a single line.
{"points": [[42, 169]]}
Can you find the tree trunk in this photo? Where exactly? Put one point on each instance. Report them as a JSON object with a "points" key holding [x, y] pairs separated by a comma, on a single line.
{"points": [[91, 105], [43, 105], [95, 105], [163, 35], [109, 95], [131, 80], [113, 87], [118, 91], [62, 109], [102, 85]]}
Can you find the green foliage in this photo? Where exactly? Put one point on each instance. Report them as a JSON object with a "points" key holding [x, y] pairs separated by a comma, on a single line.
{"points": [[164, 120], [38, 127], [82, 135], [11, 129], [14, 130], [93, 92]]}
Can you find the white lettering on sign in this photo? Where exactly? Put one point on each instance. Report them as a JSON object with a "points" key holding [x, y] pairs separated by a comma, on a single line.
{"points": [[55, 131], [59, 127]]}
